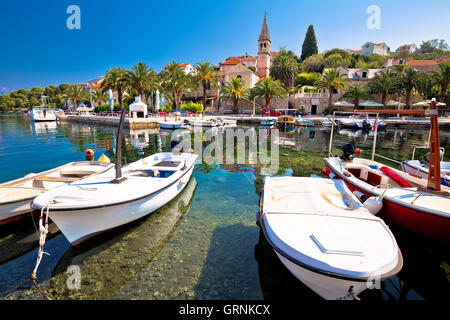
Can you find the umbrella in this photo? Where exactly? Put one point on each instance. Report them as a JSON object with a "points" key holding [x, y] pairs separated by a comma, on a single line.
{"points": [[157, 100], [110, 94], [369, 103], [343, 103], [427, 103], [392, 103]]}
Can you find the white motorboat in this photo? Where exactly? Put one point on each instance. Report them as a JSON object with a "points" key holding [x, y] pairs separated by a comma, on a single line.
{"points": [[303, 122], [326, 123], [16, 195], [229, 122], [206, 123], [420, 168], [326, 237], [173, 124], [351, 122], [42, 114], [268, 122], [92, 205]]}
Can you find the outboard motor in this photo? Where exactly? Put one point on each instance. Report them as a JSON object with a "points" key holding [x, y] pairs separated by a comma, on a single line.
{"points": [[348, 152]]}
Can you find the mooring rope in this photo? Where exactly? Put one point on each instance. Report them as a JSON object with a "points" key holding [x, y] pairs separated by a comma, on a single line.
{"points": [[43, 231]]}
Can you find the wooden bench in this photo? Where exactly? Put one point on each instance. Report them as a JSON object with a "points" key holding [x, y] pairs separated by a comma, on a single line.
{"points": [[56, 179]]}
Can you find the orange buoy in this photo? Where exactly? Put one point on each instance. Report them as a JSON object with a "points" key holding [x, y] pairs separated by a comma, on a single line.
{"points": [[89, 154], [357, 152]]}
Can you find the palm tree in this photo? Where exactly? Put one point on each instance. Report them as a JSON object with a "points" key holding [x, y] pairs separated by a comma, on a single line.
{"points": [[205, 75], [175, 81], [140, 78], [76, 94], [426, 85], [407, 82], [284, 68], [235, 90], [332, 80], [384, 83], [99, 97], [357, 93], [443, 79], [268, 88], [115, 79]]}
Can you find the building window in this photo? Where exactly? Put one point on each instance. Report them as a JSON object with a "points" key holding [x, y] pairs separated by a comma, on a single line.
{"points": [[364, 74], [335, 91]]}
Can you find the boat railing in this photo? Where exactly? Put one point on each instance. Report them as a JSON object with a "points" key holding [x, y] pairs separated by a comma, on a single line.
{"points": [[428, 147], [389, 159]]}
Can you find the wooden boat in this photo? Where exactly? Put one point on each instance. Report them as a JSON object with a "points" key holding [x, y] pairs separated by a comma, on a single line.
{"points": [[16, 195], [326, 237], [285, 122], [42, 114], [92, 205], [405, 203], [418, 205]]}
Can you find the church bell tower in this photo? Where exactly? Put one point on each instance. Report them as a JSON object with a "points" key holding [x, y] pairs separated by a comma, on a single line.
{"points": [[264, 55]]}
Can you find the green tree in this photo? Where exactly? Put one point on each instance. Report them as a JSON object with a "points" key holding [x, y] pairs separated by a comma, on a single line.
{"points": [[140, 78], [442, 78], [116, 80], [314, 63], [356, 93], [344, 54], [308, 79], [77, 94], [99, 97], [175, 81], [383, 83], [309, 46], [426, 85], [336, 60], [407, 81], [205, 76], [268, 88], [234, 90], [332, 80], [284, 68]]}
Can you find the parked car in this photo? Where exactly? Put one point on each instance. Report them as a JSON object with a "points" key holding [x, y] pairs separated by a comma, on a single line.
{"points": [[270, 112]]}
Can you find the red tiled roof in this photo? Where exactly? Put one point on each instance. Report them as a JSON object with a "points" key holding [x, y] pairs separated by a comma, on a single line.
{"points": [[182, 65], [421, 62], [354, 50]]}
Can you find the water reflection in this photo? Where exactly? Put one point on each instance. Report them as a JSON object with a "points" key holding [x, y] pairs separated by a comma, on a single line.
{"points": [[216, 251]]}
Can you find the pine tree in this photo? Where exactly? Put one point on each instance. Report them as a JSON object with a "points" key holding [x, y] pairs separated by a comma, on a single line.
{"points": [[310, 44]]}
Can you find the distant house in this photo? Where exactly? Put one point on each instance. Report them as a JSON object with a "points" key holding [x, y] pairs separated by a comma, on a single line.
{"points": [[186, 67], [374, 48], [423, 65], [361, 74], [407, 47]]}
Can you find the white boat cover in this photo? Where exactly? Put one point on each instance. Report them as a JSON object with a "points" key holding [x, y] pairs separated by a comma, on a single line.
{"points": [[321, 224]]}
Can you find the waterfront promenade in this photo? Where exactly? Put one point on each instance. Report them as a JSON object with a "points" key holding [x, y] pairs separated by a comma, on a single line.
{"points": [[152, 121]]}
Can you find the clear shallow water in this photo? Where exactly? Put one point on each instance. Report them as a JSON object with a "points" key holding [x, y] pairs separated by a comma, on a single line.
{"points": [[202, 245]]}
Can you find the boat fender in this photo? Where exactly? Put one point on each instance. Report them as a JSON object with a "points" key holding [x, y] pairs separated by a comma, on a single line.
{"points": [[361, 196], [374, 204]]}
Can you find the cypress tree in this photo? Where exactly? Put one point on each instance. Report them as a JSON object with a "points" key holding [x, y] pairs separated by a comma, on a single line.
{"points": [[310, 44]]}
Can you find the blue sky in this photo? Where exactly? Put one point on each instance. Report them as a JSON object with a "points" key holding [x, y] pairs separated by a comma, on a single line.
{"points": [[38, 49]]}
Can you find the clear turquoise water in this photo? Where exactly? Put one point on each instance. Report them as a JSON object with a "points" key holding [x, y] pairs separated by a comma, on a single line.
{"points": [[202, 245]]}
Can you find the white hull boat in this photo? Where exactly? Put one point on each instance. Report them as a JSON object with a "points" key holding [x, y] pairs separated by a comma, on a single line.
{"points": [[16, 195], [326, 123], [42, 114], [206, 123], [416, 168], [302, 122], [173, 125], [268, 122], [325, 237], [351, 123], [90, 206]]}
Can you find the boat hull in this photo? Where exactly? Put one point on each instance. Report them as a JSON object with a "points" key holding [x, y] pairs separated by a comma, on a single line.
{"points": [[95, 220], [13, 211], [431, 226], [327, 287]]}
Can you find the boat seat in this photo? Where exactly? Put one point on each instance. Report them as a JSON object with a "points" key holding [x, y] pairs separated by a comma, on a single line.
{"points": [[56, 179], [77, 173], [167, 163]]}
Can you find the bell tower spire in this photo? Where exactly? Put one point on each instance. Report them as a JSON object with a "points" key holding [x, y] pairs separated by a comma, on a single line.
{"points": [[264, 55]]}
